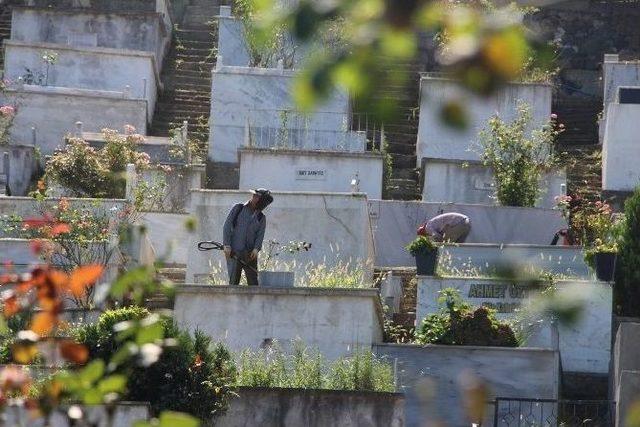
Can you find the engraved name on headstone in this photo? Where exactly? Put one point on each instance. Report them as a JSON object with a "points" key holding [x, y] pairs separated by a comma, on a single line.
{"points": [[480, 183], [310, 174], [507, 293]]}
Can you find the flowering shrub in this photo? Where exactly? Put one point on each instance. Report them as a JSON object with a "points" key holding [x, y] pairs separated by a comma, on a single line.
{"points": [[71, 236], [592, 225], [7, 114], [517, 159], [87, 171], [591, 222]]}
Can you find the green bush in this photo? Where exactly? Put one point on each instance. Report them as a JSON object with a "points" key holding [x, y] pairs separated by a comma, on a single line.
{"points": [[193, 376], [627, 287], [457, 323], [90, 172], [307, 370], [517, 157]]}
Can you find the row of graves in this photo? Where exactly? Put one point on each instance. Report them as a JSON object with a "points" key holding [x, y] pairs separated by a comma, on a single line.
{"points": [[325, 171], [327, 184]]}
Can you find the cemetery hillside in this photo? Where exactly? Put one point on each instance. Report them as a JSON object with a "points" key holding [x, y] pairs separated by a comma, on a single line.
{"points": [[347, 213]]}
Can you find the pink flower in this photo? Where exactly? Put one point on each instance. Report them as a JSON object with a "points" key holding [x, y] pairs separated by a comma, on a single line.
{"points": [[7, 111], [13, 378], [554, 116], [129, 129], [136, 138]]}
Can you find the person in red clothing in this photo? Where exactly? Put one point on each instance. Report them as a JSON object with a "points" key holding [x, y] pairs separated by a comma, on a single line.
{"points": [[447, 227]]}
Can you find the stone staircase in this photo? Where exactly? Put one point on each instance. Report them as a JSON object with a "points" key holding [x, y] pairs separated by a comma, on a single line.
{"points": [[402, 132], [579, 114], [5, 29], [187, 74], [176, 273]]}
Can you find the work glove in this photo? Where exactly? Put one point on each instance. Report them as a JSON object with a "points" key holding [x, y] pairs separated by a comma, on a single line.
{"points": [[227, 252]]}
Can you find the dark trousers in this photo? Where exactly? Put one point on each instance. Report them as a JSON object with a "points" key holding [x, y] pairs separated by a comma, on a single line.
{"points": [[234, 268]]}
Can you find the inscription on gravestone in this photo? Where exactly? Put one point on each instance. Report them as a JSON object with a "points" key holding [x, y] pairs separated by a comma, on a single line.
{"points": [[480, 183], [492, 291], [311, 174]]}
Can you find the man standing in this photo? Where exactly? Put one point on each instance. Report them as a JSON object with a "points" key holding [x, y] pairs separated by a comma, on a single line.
{"points": [[242, 236], [447, 227]]}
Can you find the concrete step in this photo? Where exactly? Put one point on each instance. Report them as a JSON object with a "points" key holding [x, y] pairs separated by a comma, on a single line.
{"points": [[157, 303], [395, 146], [402, 189], [193, 69], [187, 80], [201, 67], [197, 38], [176, 109], [403, 160], [174, 112], [402, 139], [408, 174], [174, 274]]}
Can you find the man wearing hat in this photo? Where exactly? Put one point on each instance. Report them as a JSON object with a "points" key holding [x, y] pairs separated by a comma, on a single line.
{"points": [[243, 234]]}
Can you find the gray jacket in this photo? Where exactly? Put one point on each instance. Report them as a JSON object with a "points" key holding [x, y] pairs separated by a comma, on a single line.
{"points": [[248, 232]]}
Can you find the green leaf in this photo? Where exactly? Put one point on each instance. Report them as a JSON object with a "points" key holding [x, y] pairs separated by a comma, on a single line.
{"points": [[91, 373], [178, 419], [113, 384], [125, 330], [150, 334], [122, 355], [4, 328], [140, 275], [92, 397]]}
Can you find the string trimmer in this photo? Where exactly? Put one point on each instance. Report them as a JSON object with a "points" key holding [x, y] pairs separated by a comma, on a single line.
{"points": [[212, 245]]}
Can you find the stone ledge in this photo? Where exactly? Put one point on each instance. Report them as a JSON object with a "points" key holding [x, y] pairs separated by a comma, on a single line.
{"points": [[465, 347], [444, 204], [512, 245], [284, 193], [89, 11], [148, 140], [314, 153], [80, 93], [57, 199], [254, 71], [258, 290], [426, 76], [346, 393]]}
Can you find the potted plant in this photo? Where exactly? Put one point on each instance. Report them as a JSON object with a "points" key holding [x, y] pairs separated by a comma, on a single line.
{"points": [[425, 252], [269, 275], [601, 240], [602, 259]]}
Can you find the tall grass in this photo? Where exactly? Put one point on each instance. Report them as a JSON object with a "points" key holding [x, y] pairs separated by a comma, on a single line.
{"points": [[307, 369], [341, 275]]}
